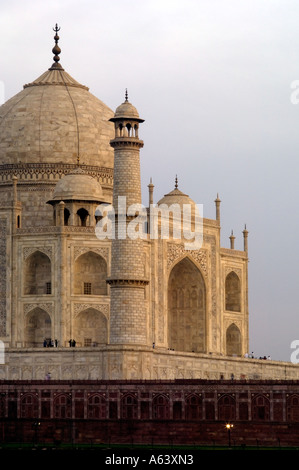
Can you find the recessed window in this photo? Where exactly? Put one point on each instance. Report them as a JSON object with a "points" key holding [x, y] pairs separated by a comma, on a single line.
{"points": [[87, 288], [48, 288]]}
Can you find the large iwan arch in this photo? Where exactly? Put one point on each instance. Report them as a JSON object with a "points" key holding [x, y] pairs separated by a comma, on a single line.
{"points": [[186, 308]]}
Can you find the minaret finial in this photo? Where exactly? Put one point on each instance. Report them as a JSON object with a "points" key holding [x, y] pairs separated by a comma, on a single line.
{"points": [[176, 182], [217, 202], [245, 236], [56, 49], [232, 240], [126, 95], [151, 192]]}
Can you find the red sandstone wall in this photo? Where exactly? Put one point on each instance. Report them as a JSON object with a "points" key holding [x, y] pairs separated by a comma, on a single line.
{"points": [[172, 413]]}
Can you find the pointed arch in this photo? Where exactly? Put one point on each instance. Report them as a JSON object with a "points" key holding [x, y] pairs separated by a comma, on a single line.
{"points": [[62, 406], [232, 292], [37, 274], [161, 408], [37, 328], [97, 407], [186, 307], [293, 407], [90, 274], [233, 341], [29, 406], [83, 215], [129, 406], [193, 407], [226, 408], [260, 406], [90, 328]]}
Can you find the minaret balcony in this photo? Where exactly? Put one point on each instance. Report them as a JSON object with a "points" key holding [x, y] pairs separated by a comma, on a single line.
{"points": [[126, 141]]}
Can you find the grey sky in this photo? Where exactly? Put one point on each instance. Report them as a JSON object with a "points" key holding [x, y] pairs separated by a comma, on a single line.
{"points": [[212, 79]]}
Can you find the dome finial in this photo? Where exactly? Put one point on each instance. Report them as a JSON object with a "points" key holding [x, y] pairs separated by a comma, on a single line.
{"points": [[56, 50], [126, 95], [176, 182]]}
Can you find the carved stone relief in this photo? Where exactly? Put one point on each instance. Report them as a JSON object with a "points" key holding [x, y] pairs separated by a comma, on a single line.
{"points": [[47, 250], [48, 307], [102, 251], [175, 251], [80, 307]]}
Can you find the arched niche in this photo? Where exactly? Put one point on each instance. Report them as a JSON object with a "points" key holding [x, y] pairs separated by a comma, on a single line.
{"points": [[83, 215], [232, 292], [293, 408], [90, 275], [90, 328], [260, 408], [233, 341], [37, 328], [29, 406], [161, 407], [129, 406], [37, 274], [186, 308], [227, 408], [66, 215]]}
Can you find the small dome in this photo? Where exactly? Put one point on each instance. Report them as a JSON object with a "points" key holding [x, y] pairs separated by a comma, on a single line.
{"points": [[176, 197], [77, 185], [52, 120], [126, 111]]}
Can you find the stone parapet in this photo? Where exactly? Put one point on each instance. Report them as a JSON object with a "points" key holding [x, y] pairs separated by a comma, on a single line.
{"points": [[123, 362]]}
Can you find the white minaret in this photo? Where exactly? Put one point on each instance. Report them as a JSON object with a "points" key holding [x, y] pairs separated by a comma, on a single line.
{"points": [[128, 312]]}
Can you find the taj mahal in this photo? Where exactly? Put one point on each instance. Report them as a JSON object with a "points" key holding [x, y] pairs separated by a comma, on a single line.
{"points": [[78, 306]]}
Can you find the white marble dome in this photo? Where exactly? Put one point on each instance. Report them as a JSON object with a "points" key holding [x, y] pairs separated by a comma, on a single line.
{"points": [[55, 119], [77, 185], [176, 197]]}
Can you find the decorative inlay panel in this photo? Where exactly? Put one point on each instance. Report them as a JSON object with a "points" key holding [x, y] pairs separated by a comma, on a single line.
{"points": [[47, 250], [229, 269], [176, 251], [48, 307], [80, 307], [102, 251]]}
